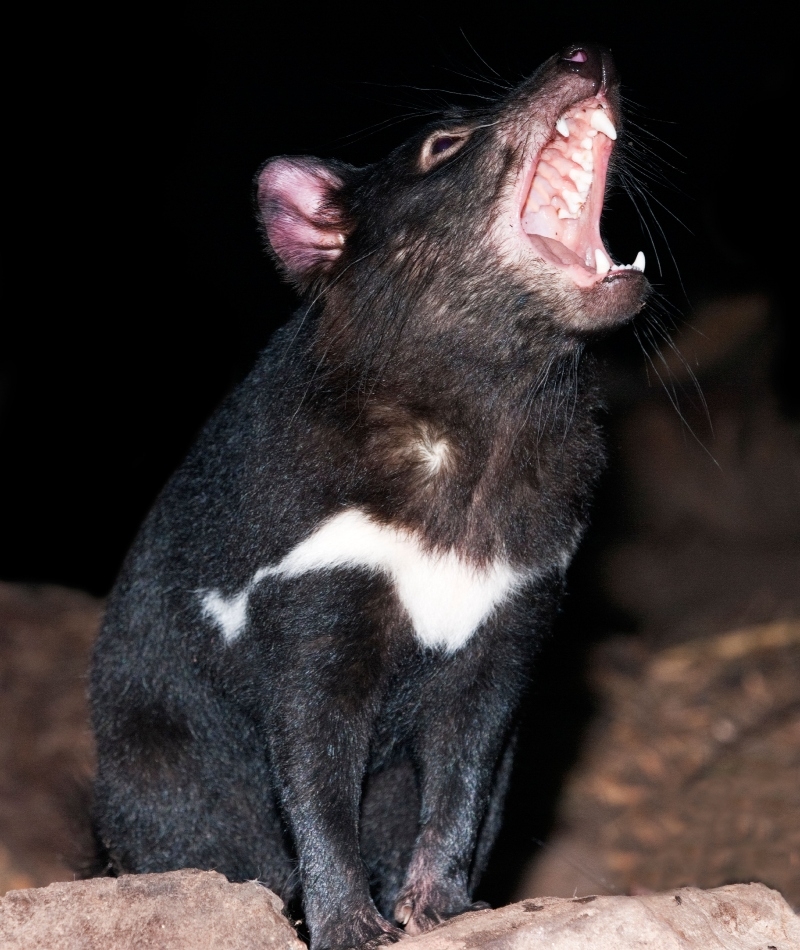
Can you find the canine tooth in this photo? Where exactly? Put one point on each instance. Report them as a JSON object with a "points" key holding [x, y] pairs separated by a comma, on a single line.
{"points": [[602, 123], [602, 263], [638, 264], [562, 127]]}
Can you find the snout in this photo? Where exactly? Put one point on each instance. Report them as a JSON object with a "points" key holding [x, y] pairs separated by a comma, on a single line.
{"points": [[591, 62]]}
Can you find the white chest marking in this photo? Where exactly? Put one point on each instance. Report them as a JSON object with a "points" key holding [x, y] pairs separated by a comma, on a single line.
{"points": [[229, 613], [445, 597]]}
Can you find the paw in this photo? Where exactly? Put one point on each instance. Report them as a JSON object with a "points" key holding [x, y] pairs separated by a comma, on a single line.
{"points": [[419, 915], [384, 939], [364, 930]]}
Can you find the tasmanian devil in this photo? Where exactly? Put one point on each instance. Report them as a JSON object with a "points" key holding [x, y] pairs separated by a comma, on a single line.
{"points": [[312, 659]]}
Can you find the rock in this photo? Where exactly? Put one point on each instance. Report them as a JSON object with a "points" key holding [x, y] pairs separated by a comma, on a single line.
{"points": [[186, 910], [737, 917], [690, 774], [706, 529], [46, 747], [181, 910], [12, 877]]}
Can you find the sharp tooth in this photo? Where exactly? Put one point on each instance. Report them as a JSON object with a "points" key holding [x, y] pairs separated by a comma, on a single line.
{"points": [[602, 123], [602, 263], [638, 264], [562, 127]]}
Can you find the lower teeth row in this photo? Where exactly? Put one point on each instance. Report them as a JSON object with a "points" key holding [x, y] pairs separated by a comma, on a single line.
{"points": [[603, 264]]}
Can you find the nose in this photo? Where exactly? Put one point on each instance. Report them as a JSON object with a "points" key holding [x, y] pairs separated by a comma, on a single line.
{"points": [[590, 61]]}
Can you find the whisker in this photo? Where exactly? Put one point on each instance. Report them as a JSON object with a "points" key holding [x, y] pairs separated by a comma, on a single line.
{"points": [[670, 389], [490, 68]]}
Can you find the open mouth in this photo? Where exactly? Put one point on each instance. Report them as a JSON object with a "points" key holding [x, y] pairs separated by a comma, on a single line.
{"points": [[563, 204]]}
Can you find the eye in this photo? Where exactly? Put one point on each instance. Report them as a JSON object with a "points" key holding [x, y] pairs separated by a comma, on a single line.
{"points": [[444, 143], [441, 145]]}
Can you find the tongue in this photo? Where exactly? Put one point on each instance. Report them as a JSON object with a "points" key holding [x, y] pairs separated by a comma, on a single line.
{"points": [[554, 252]]}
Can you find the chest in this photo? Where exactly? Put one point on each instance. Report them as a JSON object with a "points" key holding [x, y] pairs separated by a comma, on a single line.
{"points": [[445, 597]]}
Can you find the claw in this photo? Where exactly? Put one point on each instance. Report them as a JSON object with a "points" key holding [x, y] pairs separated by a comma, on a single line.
{"points": [[403, 912]]}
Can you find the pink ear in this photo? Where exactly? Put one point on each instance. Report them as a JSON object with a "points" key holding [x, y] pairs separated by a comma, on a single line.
{"points": [[297, 200]]}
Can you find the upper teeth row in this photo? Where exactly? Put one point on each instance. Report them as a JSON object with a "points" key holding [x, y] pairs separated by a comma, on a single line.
{"points": [[603, 264], [557, 167], [599, 121]]}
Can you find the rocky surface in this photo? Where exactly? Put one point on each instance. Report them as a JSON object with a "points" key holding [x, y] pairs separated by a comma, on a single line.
{"points": [[691, 772], [738, 917], [707, 506], [184, 910], [46, 634]]}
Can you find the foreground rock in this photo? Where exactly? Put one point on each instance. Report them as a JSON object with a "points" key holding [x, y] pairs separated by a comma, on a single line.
{"points": [[737, 917], [185, 910], [182, 910]]}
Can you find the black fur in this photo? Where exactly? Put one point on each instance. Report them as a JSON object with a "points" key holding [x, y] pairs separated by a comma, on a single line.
{"points": [[326, 751]]}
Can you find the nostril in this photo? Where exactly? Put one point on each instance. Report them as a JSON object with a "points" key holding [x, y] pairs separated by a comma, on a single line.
{"points": [[589, 61]]}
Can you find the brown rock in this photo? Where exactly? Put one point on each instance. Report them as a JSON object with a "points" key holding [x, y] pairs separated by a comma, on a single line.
{"points": [[188, 910], [46, 748], [181, 910], [690, 775], [738, 917]]}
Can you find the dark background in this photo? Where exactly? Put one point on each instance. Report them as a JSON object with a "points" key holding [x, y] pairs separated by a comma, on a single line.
{"points": [[137, 290]]}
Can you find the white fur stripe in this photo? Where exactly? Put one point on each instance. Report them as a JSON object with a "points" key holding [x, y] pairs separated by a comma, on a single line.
{"points": [[446, 598]]}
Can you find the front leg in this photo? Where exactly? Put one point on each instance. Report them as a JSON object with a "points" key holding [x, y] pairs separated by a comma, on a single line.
{"points": [[465, 727], [319, 720]]}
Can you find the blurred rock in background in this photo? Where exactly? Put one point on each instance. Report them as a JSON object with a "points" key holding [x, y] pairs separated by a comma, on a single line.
{"points": [[690, 772], [709, 498], [46, 634]]}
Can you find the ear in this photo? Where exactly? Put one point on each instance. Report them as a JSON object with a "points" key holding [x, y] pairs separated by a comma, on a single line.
{"points": [[298, 199]]}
